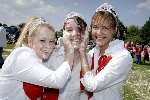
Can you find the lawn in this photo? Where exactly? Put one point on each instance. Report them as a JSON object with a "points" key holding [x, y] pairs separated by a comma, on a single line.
{"points": [[137, 87]]}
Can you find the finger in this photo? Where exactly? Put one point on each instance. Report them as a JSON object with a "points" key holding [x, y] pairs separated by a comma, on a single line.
{"points": [[66, 37]]}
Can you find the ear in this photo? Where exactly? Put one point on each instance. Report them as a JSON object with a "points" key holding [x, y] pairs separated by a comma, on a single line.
{"points": [[30, 42]]}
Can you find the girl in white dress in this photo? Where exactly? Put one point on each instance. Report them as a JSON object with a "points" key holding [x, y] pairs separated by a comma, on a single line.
{"points": [[24, 64], [75, 26], [110, 61]]}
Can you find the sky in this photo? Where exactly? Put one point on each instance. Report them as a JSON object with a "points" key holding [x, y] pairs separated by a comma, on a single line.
{"points": [[13, 12]]}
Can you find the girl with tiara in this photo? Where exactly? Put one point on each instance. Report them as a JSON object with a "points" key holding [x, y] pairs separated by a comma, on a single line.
{"points": [[75, 27], [110, 61], [25, 64]]}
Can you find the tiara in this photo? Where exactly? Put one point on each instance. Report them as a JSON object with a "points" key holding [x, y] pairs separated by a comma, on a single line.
{"points": [[107, 7], [35, 23], [72, 14]]}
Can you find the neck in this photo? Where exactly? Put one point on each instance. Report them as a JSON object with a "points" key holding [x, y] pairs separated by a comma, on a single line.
{"points": [[102, 49]]}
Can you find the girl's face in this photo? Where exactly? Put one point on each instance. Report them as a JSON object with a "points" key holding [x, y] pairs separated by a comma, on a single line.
{"points": [[74, 30], [43, 42], [103, 33]]}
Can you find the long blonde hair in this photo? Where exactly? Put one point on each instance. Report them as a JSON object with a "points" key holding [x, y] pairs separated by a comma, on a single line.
{"points": [[29, 28]]}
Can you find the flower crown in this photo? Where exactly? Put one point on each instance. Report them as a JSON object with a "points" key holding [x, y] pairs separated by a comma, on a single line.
{"points": [[107, 7]]}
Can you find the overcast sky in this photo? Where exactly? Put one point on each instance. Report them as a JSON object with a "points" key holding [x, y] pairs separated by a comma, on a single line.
{"points": [[13, 12]]}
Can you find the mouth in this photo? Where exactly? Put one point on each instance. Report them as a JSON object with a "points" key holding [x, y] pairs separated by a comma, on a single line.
{"points": [[76, 40], [100, 38], [45, 52]]}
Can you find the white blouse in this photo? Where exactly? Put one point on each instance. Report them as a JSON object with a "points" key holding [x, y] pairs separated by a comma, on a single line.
{"points": [[22, 65], [106, 85]]}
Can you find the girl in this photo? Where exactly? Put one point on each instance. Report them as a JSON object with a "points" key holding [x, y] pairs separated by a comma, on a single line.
{"points": [[75, 26], [24, 64], [110, 61]]}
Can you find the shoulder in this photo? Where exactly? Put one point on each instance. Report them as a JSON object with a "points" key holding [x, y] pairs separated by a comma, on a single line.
{"points": [[22, 51], [22, 54], [122, 57]]}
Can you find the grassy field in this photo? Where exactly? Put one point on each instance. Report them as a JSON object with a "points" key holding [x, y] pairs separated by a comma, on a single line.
{"points": [[137, 87]]}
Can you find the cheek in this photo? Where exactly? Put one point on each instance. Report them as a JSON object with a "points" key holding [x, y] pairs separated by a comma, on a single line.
{"points": [[111, 36], [93, 33]]}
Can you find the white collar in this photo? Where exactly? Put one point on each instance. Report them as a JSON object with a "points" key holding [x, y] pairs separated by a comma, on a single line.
{"points": [[113, 46]]}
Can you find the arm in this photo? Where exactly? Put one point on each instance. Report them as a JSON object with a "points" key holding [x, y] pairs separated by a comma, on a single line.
{"points": [[114, 72], [29, 69]]}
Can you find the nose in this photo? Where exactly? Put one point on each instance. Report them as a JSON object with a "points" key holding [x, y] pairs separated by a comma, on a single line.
{"points": [[99, 31], [49, 45], [75, 33]]}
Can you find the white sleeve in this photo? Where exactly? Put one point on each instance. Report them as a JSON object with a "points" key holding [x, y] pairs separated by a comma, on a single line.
{"points": [[114, 72], [29, 69]]}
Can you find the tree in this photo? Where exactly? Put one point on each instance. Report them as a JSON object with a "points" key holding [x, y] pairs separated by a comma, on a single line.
{"points": [[145, 32], [59, 33], [133, 34], [121, 30]]}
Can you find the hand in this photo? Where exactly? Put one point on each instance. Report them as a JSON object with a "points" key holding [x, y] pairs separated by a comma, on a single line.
{"points": [[68, 48], [84, 42]]}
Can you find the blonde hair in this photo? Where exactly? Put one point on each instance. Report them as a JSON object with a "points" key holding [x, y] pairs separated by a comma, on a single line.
{"points": [[29, 29]]}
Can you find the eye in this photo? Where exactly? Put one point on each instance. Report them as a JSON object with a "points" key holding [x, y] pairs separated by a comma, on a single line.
{"points": [[105, 28], [52, 41], [95, 27], [42, 40]]}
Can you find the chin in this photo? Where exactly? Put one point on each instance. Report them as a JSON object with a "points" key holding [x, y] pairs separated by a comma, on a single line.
{"points": [[45, 57], [76, 47]]}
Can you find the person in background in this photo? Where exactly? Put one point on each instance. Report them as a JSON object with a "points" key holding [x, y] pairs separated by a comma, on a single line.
{"points": [[138, 51], [145, 54], [2, 43], [110, 61], [25, 63]]}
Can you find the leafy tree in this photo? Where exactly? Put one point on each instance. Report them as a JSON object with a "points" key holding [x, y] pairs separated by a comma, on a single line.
{"points": [[59, 33], [133, 34], [145, 32], [121, 30]]}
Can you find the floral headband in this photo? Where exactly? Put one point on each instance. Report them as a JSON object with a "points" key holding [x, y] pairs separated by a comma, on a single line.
{"points": [[107, 7]]}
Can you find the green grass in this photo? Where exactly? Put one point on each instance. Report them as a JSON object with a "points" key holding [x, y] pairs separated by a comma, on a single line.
{"points": [[129, 94], [137, 87], [9, 46]]}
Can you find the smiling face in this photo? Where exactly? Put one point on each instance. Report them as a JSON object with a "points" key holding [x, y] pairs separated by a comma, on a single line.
{"points": [[75, 31], [42, 42], [103, 28]]}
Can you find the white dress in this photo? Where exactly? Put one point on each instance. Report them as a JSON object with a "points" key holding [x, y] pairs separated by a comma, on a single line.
{"points": [[106, 85], [71, 90], [22, 65]]}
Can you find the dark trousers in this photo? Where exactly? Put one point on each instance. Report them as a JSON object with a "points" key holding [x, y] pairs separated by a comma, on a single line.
{"points": [[138, 59], [1, 58]]}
